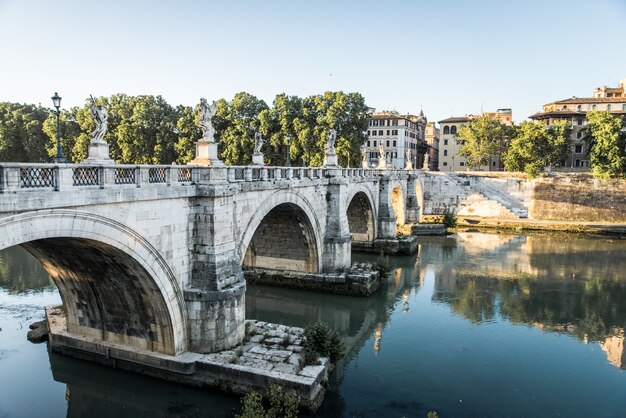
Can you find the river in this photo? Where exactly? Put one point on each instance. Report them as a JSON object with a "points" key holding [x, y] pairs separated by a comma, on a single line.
{"points": [[474, 325]]}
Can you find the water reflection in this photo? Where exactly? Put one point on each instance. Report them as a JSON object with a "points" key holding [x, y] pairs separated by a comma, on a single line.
{"points": [[574, 286], [495, 320]]}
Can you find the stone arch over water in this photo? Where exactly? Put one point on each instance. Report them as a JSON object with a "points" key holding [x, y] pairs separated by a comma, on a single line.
{"points": [[114, 284], [361, 219], [398, 195], [283, 235]]}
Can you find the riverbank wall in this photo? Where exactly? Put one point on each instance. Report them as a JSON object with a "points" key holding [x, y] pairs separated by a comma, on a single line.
{"points": [[576, 197]]}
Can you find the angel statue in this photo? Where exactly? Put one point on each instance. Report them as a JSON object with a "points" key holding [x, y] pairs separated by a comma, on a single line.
{"points": [[258, 142], [206, 114], [381, 151], [330, 142], [100, 116]]}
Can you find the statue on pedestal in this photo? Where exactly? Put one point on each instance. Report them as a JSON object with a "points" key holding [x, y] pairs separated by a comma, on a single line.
{"points": [[331, 138], [426, 162], [364, 159], [258, 142], [408, 162], [206, 114], [382, 159], [330, 158], [100, 116]]}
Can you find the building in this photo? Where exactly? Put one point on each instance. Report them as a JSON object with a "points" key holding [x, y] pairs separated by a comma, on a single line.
{"points": [[575, 110], [400, 136], [449, 146], [431, 135]]}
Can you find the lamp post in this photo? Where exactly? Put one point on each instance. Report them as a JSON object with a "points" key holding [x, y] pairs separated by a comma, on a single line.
{"points": [[56, 100], [288, 160]]}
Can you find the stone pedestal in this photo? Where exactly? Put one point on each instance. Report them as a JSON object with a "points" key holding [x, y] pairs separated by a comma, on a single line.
{"points": [[206, 155], [98, 154], [408, 165], [257, 159], [382, 163], [330, 160]]}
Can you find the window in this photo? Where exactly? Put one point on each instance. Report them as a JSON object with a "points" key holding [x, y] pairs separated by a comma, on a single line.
{"points": [[445, 152], [462, 164], [374, 143], [445, 142], [624, 107], [394, 132], [394, 122], [493, 163], [579, 121], [388, 132], [368, 144], [579, 135], [608, 107], [445, 163], [453, 130], [387, 142], [380, 132], [394, 143], [579, 107], [446, 130], [577, 163], [593, 107], [578, 149]]}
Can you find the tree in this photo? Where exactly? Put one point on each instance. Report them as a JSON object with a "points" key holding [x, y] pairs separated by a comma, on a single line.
{"points": [[188, 133], [482, 140], [535, 146], [607, 141], [235, 123], [21, 136]]}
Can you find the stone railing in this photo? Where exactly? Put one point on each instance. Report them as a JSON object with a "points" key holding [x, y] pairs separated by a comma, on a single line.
{"points": [[25, 176], [21, 177]]}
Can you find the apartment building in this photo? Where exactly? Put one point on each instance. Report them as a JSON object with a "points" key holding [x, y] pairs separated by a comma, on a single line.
{"points": [[574, 110], [432, 139], [398, 136], [450, 146]]}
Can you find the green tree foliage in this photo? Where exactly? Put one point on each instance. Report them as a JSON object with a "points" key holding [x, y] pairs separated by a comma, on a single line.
{"points": [[482, 140], [535, 146], [21, 133], [320, 340], [147, 130], [188, 133], [281, 404], [607, 144], [235, 123]]}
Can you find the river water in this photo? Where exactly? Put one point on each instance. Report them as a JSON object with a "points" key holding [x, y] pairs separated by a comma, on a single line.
{"points": [[475, 325]]}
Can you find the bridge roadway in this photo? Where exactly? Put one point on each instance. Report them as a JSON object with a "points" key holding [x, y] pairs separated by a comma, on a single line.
{"points": [[151, 257]]}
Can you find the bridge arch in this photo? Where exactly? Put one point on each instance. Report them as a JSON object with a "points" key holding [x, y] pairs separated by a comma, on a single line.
{"points": [[283, 234], [114, 284], [361, 213], [398, 197]]}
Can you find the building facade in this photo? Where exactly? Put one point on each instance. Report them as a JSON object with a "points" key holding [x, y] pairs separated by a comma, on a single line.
{"points": [[432, 139], [574, 110], [450, 146], [398, 136]]}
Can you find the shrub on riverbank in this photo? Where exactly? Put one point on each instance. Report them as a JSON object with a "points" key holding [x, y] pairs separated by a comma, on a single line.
{"points": [[320, 340]]}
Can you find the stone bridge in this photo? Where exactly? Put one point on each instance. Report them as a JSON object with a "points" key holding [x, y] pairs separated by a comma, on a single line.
{"points": [[151, 258]]}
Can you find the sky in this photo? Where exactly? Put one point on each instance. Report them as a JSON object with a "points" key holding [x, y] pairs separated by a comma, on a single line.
{"points": [[445, 57]]}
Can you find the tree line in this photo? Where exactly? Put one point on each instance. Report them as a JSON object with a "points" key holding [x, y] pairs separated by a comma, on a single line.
{"points": [[148, 130], [532, 147]]}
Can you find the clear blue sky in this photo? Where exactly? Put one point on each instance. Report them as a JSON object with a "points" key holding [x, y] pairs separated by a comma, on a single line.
{"points": [[449, 57]]}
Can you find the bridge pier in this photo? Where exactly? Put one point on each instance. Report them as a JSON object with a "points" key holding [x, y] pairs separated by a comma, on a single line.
{"points": [[216, 298], [386, 217], [411, 208], [337, 247]]}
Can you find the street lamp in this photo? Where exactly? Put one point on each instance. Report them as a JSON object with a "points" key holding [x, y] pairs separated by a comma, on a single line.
{"points": [[56, 100], [288, 160]]}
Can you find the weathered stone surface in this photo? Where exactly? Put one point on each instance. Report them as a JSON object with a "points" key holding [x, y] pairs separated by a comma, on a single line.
{"points": [[38, 332]]}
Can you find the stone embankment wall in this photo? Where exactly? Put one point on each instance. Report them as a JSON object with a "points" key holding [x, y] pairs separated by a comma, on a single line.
{"points": [[578, 197], [556, 196]]}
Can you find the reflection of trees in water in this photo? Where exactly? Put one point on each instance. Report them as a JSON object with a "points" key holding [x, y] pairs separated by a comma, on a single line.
{"points": [[20, 272], [589, 309]]}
